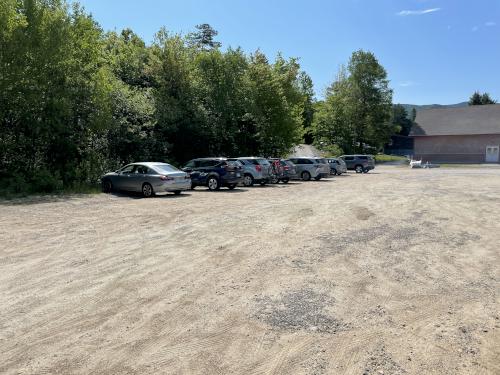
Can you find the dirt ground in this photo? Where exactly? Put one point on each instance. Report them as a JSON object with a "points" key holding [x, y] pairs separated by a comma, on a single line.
{"points": [[393, 272]]}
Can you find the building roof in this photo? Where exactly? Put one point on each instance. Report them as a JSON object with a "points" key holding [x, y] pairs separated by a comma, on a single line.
{"points": [[471, 120]]}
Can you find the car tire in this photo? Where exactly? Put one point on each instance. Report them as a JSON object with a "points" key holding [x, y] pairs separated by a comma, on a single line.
{"points": [[275, 180], [366, 170], [178, 192], [334, 172], [107, 186], [231, 187], [263, 183], [213, 183], [306, 176], [358, 168], [248, 180], [317, 178], [285, 180], [147, 190]]}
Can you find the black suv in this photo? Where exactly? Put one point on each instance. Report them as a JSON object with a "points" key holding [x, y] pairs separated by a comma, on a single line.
{"points": [[214, 173]]}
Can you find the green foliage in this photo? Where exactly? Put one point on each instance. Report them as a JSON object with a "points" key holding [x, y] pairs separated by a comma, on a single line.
{"points": [[53, 92], [481, 99], [400, 119], [356, 112], [382, 158]]}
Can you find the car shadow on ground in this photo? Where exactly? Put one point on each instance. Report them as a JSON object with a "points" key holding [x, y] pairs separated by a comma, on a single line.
{"points": [[133, 195], [221, 190]]}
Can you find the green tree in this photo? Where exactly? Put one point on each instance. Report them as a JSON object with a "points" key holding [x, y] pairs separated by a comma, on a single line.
{"points": [[204, 37], [357, 110], [53, 93], [276, 114], [476, 99], [481, 99], [400, 119], [486, 99], [131, 136]]}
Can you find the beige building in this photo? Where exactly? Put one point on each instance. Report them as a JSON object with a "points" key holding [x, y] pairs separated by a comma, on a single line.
{"points": [[458, 135]]}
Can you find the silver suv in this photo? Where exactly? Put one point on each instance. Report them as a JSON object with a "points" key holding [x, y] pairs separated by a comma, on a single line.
{"points": [[337, 166], [359, 163], [255, 170], [308, 168]]}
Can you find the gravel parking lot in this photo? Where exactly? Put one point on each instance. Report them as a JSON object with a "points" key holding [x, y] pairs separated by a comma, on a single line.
{"points": [[393, 272]]}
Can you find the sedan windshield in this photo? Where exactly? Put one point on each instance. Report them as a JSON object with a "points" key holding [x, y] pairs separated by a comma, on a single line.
{"points": [[165, 168]]}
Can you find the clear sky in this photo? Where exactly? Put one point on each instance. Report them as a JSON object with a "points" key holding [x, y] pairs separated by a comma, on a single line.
{"points": [[435, 51]]}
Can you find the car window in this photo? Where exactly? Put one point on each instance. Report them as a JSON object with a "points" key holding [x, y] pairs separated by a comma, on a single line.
{"points": [[363, 157], [322, 161], [263, 162], [163, 168], [208, 163], [141, 169], [348, 158], [252, 161], [234, 163], [190, 164], [127, 169]]}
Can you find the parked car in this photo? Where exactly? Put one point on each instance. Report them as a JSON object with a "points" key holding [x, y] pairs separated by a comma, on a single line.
{"points": [[214, 173], [337, 166], [285, 169], [147, 178], [307, 168], [325, 166], [359, 163], [255, 170]]}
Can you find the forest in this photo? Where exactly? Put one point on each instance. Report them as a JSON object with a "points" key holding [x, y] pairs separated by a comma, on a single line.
{"points": [[77, 101]]}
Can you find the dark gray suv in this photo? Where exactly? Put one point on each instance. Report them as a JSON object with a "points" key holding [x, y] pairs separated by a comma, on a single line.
{"points": [[359, 163]]}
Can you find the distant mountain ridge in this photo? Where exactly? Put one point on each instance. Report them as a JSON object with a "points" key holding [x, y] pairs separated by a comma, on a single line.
{"points": [[409, 107]]}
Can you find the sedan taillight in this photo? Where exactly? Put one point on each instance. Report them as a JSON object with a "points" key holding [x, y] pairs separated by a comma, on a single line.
{"points": [[166, 178]]}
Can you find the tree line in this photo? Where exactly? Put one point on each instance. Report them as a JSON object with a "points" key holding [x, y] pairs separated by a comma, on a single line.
{"points": [[76, 101]]}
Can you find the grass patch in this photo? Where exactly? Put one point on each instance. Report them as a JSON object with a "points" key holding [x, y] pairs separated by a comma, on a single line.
{"points": [[382, 158]]}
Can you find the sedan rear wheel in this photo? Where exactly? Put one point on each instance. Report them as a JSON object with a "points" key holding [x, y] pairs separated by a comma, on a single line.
{"points": [[147, 190], [213, 183], [306, 176], [359, 169]]}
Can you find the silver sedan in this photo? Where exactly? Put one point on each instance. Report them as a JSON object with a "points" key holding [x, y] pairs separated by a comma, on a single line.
{"points": [[147, 178]]}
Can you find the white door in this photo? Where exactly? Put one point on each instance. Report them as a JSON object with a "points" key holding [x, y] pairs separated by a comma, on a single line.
{"points": [[492, 153]]}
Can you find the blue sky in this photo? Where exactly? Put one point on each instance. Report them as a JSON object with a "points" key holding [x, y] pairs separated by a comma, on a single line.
{"points": [[435, 51]]}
